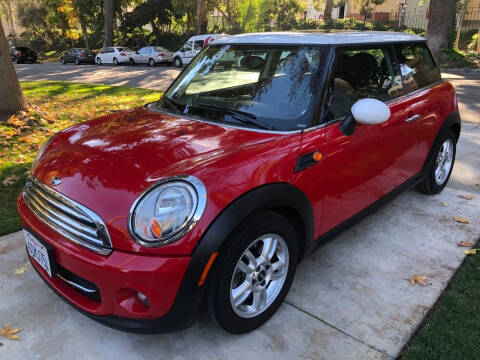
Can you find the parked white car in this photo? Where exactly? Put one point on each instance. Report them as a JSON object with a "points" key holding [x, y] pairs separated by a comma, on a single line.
{"points": [[151, 55], [192, 47], [114, 55]]}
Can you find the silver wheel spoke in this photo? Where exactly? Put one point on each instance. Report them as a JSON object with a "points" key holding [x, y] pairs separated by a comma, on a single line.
{"points": [[259, 299], [241, 293], [269, 247], [278, 269], [444, 162]]}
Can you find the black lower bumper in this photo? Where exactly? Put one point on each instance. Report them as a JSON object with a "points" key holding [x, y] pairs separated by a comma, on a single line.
{"points": [[181, 315]]}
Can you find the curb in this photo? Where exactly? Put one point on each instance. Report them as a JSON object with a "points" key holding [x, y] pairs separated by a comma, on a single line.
{"points": [[461, 71]]}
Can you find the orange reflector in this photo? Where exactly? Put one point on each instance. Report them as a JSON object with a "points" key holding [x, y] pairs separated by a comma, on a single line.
{"points": [[317, 156], [207, 268], [156, 228]]}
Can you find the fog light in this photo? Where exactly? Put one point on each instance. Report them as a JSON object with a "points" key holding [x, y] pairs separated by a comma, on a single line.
{"points": [[143, 299]]}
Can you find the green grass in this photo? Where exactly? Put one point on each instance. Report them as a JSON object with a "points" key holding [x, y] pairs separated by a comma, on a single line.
{"points": [[452, 329], [65, 104]]}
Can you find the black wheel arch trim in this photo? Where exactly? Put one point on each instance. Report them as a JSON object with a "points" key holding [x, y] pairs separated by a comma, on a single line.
{"points": [[452, 121]]}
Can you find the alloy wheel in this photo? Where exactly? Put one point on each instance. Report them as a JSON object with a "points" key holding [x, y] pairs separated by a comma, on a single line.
{"points": [[444, 162], [259, 275]]}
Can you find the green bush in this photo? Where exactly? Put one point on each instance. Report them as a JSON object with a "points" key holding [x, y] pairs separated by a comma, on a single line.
{"points": [[466, 38], [473, 45]]}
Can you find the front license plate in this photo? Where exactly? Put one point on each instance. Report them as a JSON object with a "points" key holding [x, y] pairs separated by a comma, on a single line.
{"points": [[38, 252]]}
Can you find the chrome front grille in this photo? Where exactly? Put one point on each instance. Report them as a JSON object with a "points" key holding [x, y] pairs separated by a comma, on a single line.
{"points": [[69, 218]]}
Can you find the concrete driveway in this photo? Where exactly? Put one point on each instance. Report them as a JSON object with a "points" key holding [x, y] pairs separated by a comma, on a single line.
{"points": [[350, 300]]}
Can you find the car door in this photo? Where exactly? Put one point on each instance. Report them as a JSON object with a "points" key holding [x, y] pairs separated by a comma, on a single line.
{"points": [[425, 103], [147, 55], [368, 164], [187, 52]]}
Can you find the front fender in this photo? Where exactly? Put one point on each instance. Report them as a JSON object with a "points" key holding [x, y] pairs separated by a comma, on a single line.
{"points": [[282, 197]]}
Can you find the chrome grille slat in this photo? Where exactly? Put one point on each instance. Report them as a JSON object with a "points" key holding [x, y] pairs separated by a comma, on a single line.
{"points": [[69, 218], [76, 228], [58, 203]]}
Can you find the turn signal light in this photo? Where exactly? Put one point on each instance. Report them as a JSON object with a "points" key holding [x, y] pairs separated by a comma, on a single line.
{"points": [[156, 228], [317, 156], [122, 54], [161, 55]]}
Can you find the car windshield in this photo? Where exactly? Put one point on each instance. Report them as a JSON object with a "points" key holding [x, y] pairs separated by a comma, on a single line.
{"points": [[159, 49], [261, 86]]}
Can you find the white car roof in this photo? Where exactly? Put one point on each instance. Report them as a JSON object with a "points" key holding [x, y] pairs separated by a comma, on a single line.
{"points": [[203, 37], [310, 38]]}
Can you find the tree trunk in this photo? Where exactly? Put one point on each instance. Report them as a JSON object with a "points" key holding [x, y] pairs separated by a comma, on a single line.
{"points": [[440, 24], [11, 21], [108, 16], [327, 13], [202, 22], [11, 95], [85, 33]]}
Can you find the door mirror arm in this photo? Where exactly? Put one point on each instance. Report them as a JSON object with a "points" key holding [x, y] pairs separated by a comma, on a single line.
{"points": [[347, 126]]}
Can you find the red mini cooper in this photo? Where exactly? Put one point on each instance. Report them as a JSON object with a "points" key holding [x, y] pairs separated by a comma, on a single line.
{"points": [[265, 146]]}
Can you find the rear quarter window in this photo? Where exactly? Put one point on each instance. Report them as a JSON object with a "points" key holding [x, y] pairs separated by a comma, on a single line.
{"points": [[417, 66]]}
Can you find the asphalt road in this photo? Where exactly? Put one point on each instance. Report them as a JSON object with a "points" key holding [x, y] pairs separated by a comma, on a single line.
{"points": [[157, 78]]}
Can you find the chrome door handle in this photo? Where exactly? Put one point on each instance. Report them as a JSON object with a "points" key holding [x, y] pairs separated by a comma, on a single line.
{"points": [[413, 118]]}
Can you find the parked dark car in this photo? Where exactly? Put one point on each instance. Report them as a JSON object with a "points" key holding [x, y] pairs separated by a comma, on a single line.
{"points": [[78, 56], [20, 54]]}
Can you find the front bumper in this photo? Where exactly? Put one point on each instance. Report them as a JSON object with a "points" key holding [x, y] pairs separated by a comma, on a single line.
{"points": [[118, 277]]}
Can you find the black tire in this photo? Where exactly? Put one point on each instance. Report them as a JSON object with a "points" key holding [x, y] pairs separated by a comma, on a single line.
{"points": [[151, 63], [218, 304], [131, 62], [62, 60], [115, 61], [77, 62], [178, 62], [18, 61], [99, 61], [429, 185]]}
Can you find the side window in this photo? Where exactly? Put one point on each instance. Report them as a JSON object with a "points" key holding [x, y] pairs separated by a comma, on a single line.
{"points": [[363, 73], [110, 50], [187, 46], [143, 51], [417, 66], [198, 45]]}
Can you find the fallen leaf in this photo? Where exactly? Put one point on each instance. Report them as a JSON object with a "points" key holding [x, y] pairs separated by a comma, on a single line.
{"points": [[444, 204], [20, 271], [9, 333], [467, 197], [471, 251], [418, 278], [10, 180], [461, 220], [464, 244]]}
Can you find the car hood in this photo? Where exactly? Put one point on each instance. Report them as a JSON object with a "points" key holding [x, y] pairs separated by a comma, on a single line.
{"points": [[106, 163]]}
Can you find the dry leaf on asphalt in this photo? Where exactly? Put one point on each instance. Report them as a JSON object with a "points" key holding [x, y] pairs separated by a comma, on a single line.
{"points": [[418, 278], [461, 220], [444, 204], [9, 333], [464, 244], [10, 180], [467, 197], [471, 251], [20, 271]]}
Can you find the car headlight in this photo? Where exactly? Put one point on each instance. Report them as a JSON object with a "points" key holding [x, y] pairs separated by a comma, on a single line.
{"points": [[40, 152], [167, 211]]}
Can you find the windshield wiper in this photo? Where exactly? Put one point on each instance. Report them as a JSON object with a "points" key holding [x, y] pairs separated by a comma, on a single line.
{"points": [[243, 117], [172, 104]]}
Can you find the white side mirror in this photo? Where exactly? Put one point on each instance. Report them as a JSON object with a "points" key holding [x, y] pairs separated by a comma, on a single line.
{"points": [[370, 112]]}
